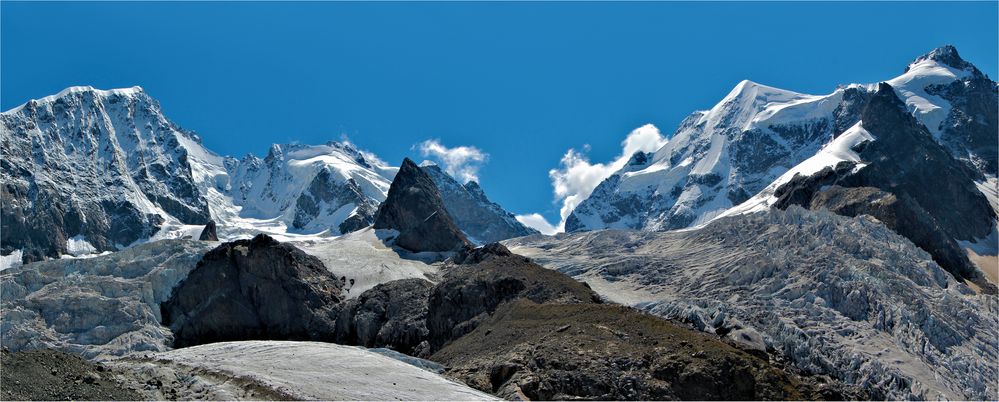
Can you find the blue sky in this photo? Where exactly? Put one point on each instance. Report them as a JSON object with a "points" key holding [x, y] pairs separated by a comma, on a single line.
{"points": [[522, 82]]}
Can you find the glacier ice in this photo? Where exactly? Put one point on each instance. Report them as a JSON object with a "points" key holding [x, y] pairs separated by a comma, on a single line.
{"points": [[840, 296]]}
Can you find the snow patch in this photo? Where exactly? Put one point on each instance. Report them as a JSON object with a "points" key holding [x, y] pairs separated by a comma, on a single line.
{"points": [[838, 150], [11, 260], [78, 245]]}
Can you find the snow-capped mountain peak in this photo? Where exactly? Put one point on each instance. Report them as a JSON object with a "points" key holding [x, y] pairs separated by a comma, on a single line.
{"points": [[721, 157], [742, 105], [946, 55], [110, 158]]}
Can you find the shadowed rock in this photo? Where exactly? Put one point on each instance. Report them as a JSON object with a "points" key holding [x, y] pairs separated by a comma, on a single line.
{"points": [[415, 209], [209, 233], [391, 315], [254, 289]]}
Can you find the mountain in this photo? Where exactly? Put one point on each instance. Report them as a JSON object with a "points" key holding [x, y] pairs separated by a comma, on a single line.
{"points": [[333, 187], [882, 167], [91, 170], [482, 220], [722, 157], [87, 171]]}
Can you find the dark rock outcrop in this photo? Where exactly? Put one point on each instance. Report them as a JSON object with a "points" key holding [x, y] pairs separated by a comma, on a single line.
{"points": [[473, 212], [391, 315], [904, 158], [469, 293], [254, 289], [415, 209], [528, 351], [209, 233]]}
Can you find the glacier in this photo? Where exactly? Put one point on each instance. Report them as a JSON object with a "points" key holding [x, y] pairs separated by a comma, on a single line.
{"points": [[840, 296]]}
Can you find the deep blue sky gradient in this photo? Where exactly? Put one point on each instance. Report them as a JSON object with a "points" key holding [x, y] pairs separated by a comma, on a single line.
{"points": [[522, 81]]}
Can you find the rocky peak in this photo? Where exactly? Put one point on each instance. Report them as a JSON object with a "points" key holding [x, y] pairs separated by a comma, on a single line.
{"points": [[414, 208], [884, 97], [275, 153], [947, 55]]}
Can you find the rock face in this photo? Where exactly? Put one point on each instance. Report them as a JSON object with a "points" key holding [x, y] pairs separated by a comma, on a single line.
{"points": [[254, 289], [209, 233], [609, 352], [972, 116], [414, 208], [327, 196], [903, 215], [416, 317], [909, 161], [469, 293], [391, 315], [106, 166], [481, 219]]}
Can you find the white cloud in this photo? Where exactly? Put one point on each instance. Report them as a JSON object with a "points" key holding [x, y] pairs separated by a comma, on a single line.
{"points": [[537, 222], [576, 176], [462, 162]]}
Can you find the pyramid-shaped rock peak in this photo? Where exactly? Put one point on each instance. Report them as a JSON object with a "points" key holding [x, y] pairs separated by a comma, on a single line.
{"points": [[414, 208]]}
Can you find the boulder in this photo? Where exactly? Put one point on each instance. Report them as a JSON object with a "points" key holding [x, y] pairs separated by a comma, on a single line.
{"points": [[254, 289], [414, 208]]}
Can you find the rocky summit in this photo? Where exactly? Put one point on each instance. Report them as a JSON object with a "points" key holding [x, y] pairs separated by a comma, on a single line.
{"points": [[415, 209]]}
